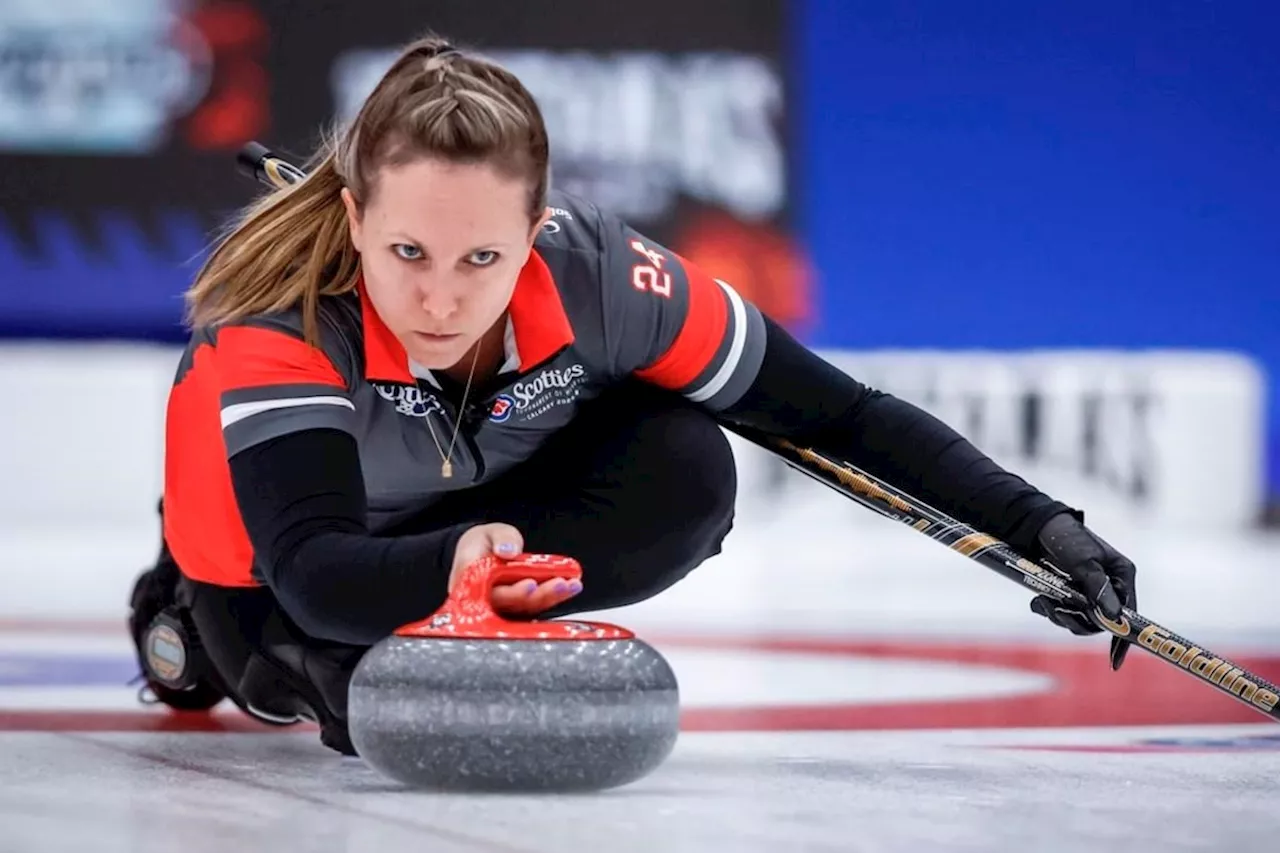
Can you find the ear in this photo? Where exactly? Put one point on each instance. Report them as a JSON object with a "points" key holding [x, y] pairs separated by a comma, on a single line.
{"points": [[537, 226], [353, 218]]}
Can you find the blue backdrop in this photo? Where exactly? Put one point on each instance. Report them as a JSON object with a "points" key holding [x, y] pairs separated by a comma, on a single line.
{"points": [[1012, 174]]}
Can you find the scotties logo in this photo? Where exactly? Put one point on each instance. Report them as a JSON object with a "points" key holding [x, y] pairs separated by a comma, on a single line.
{"points": [[550, 388], [552, 382]]}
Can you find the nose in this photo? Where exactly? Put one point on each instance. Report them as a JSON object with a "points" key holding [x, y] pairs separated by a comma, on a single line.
{"points": [[438, 297]]}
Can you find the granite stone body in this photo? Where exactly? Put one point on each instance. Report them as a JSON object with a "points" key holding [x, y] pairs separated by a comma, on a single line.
{"points": [[514, 714]]}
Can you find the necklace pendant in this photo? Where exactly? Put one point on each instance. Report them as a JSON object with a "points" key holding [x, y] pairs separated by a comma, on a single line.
{"points": [[446, 470]]}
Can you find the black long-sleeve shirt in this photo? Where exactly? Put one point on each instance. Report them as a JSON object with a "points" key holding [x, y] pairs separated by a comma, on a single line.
{"points": [[288, 459]]}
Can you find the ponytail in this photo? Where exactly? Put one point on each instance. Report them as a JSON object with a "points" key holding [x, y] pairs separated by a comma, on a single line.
{"points": [[285, 251]]}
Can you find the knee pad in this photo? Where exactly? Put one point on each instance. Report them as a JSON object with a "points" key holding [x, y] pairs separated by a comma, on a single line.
{"points": [[288, 680], [175, 668]]}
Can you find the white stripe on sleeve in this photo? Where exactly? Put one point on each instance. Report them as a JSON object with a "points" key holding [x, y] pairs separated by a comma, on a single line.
{"points": [[239, 411], [725, 373]]}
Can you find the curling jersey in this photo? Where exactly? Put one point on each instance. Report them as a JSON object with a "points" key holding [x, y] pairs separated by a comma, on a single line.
{"points": [[596, 303]]}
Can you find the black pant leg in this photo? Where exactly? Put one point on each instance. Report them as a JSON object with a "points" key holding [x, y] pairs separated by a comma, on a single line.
{"points": [[273, 671], [639, 488], [230, 622]]}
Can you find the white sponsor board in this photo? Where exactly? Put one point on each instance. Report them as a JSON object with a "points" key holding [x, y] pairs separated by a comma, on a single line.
{"points": [[1170, 440], [1172, 437]]}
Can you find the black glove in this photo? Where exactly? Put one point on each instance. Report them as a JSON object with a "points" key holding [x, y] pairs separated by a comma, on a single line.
{"points": [[1103, 574]]}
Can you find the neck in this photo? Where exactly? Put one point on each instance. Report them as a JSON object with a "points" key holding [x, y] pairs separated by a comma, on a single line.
{"points": [[492, 354]]}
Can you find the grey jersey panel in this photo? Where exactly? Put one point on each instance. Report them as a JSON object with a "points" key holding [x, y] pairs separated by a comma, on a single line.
{"points": [[245, 424], [258, 413]]}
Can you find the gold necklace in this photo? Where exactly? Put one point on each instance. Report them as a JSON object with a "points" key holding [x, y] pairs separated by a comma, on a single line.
{"points": [[446, 466]]}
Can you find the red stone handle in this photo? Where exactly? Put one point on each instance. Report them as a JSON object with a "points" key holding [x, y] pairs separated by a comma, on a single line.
{"points": [[468, 611]]}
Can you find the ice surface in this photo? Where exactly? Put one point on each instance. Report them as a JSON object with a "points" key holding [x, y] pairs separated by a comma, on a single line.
{"points": [[853, 748], [742, 792]]}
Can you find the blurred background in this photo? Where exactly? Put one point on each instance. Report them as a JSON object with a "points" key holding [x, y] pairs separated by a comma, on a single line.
{"points": [[1053, 225]]}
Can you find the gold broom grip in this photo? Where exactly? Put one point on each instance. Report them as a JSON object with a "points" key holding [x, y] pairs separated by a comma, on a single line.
{"points": [[266, 167]]}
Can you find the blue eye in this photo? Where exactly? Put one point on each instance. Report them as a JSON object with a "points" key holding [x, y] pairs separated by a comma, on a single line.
{"points": [[407, 252], [483, 259]]}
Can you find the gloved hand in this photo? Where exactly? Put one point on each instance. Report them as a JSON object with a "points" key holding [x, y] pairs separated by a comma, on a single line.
{"points": [[1103, 574]]}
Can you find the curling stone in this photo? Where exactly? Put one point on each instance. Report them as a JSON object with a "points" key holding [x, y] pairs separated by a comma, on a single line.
{"points": [[466, 700]]}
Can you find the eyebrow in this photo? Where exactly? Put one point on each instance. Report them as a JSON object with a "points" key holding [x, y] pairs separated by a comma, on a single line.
{"points": [[487, 247]]}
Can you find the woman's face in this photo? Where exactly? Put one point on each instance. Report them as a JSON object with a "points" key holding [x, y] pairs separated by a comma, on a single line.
{"points": [[441, 246]]}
